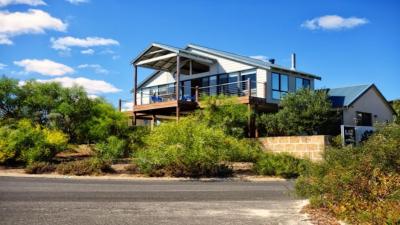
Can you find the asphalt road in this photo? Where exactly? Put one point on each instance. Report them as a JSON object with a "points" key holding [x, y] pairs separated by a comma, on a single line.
{"points": [[77, 201]]}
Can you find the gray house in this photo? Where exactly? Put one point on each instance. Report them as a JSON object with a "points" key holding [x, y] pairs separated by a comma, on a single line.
{"points": [[361, 105]]}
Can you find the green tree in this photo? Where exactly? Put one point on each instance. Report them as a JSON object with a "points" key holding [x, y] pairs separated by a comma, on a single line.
{"points": [[225, 113], [9, 98], [303, 112], [396, 107]]}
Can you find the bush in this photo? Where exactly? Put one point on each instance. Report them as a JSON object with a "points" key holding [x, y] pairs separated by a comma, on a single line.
{"points": [[225, 113], [359, 184], [40, 167], [84, 167], [283, 165], [28, 143], [303, 112], [110, 150], [189, 148], [136, 138]]}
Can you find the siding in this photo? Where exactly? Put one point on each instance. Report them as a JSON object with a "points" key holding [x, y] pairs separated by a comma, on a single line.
{"points": [[369, 102]]}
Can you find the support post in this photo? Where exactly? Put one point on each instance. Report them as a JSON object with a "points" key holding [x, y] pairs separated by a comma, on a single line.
{"points": [[119, 105], [248, 87], [153, 120], [196, 94], [135, 86], [249, 127], [177, 88], [265, 90]]}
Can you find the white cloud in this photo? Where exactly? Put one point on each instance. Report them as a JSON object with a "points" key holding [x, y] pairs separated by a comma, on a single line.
{"points": [[2, 66], [127, 106], [44, 67], [33, 21], [96, 67], [65, 43], [77, 2], [260, 57], [88, 51], [26, 2], [92, 87], [333, 22]]}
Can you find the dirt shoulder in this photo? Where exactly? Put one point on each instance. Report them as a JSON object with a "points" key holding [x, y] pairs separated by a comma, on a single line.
{"points": [[21, 173]]}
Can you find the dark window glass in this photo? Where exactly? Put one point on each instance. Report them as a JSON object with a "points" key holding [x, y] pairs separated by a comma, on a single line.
{"points": [[364, 119], [280, 85], [275, 81], [276, 94], [223, 79], [284, 83], [213, 85], [253, 79], [234, 86], [186, 86], [299, 83], [306, 83]]}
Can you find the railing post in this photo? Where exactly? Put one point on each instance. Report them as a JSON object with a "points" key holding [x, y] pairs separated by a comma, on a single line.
{"points": [[135, 86], [248, 87], [196, 94], [119, 105]]}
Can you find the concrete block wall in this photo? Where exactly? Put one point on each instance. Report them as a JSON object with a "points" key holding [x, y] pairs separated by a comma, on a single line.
{"points": [[310, 147]]}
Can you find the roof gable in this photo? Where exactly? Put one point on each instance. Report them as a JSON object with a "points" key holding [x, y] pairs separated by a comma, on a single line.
{"points": [[345, 96]]}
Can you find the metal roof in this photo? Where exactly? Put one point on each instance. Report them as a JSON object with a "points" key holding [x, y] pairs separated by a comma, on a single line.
{"points": [[168, 65], [249, 60], [345, 96]]}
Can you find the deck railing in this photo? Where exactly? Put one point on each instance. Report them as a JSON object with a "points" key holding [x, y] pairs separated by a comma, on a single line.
{"points": [[241, 88]]}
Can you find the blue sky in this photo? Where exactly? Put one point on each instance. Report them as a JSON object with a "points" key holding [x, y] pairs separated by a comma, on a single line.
{"points": [[91, 42]]}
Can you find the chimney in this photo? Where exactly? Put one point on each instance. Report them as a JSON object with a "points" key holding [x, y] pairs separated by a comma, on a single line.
{"points": [[272, 61], [293, 61]]}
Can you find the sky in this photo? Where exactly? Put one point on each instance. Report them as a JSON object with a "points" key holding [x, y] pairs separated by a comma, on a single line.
{"points": [[91, 42]]}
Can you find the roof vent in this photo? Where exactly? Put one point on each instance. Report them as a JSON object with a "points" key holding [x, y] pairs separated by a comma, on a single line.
{"points": [[293, 61], [272, 61]]}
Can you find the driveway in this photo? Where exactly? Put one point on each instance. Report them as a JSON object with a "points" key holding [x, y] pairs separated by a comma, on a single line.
{"points": [[78, 201]]}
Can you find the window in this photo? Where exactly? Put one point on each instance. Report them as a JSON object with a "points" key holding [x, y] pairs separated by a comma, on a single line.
{"points": [[205, 84], [186, 88], [280, 85], [253, 78], [213, 85], [302, 83], [223, 79], [364, 119]]}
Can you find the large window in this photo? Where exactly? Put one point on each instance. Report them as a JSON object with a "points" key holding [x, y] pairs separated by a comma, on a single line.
{"points": [[252, 76], [364, 119], [280, 85], [213, 85], [302, 83]]}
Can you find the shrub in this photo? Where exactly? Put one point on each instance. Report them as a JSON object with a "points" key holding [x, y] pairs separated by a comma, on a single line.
{"points": [[28, 143], [283, 165], [189, 148], [110, 150], [303, 112], [84, 167], [359, 184], [40, 167], [225, 113], [135, 138]]}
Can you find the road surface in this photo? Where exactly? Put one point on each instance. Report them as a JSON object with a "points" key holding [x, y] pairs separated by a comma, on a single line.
{"points": [[77, 201]]}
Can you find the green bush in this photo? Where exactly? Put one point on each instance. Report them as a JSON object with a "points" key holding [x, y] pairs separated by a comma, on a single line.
{"points": [[283, 165], [40, 167], [113, 148], [28, 143], [225, 113], [189, 148], [359, 184], [303, 112], [135, 138], [84, 167]]}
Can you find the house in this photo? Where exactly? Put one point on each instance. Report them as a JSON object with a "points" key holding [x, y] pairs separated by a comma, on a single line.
{"points": [[202, 71], [361, 105]]}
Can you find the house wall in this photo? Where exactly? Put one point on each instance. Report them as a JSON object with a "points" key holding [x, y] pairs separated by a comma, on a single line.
{"points": [[372, 103], [308, 147]]}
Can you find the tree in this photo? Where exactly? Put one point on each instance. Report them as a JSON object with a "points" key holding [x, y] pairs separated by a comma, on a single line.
{"points": [[9, 100], [225, 113], [396, 107], [304, 112]]}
